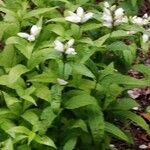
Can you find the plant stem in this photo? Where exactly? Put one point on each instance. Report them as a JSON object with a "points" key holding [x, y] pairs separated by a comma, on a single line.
{"points": [[64, 63]]}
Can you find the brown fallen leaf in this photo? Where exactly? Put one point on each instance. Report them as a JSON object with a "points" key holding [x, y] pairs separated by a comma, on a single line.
{"points": [[146, 116]]}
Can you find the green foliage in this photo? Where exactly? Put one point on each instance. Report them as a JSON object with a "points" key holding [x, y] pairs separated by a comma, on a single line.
{"points": [[54, 100]]}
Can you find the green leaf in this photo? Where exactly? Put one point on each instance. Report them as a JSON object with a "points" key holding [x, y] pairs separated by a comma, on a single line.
{"points": [[45, 141], [29, 99], [118, 46], [96, 123], [56, 28], [99, 42], [110, 128], [135, 118], [47, 117], [70, 144], [143, 69], [83, 70], [90, 26], [31, 117], [40, 56], [123, 80], [133, 2], [8, 56], [22, 45], [80, 101], [10, 100], [18, 129], [119, 33], [8, 145], [43, 92], [16, 72], [37, 12], [125, 104]]}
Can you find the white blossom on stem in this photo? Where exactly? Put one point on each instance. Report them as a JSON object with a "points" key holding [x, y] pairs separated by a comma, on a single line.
{"points": [[34, 32], [80, 16], [113, 16], [145, 38], [65, 48]]}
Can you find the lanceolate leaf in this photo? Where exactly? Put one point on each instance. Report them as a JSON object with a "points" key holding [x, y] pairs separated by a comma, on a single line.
{"points": [[16, 72], [45, 140], [96, 123], [70, 144], [112, 129], [36, 12], [80, 101], [135, 118]]}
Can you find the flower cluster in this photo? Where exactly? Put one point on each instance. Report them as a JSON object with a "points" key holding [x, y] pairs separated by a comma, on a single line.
{"points": [[65, 48], [34, 32], [113, 16], [142, 21], [79, 17]]}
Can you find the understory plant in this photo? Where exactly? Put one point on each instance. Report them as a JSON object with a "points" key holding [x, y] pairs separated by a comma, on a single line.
{"points": [[63, 74]]}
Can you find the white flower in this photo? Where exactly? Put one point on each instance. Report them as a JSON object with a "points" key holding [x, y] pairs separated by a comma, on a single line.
{"points": [[143, 146], [61, 81], [65, 48], [58, 46], [111, 146], [79, 17], [70, 51], [112, 16], [145, 38], [135, 108], [34, 32], [119, 13], [137, 20], [107, 18]]}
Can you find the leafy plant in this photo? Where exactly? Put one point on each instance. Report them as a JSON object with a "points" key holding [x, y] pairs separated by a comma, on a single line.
{"points": [[63, 74]]}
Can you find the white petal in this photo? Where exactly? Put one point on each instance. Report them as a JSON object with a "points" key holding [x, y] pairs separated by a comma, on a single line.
{"points": [[143, 146], [35, 30], [137, 20], [70, 51], [119, 13], [135, 108], [87, 17], [107, 24], [80, 12], [70, 43], [31, 38], [23, 35], [111, 145], [58, 46], [145, 15], [145, 38], [107, 18], [73, 18], [62, 82], [106, 4]]}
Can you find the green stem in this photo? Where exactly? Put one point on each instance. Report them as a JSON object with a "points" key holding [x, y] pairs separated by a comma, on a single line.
{"points": [[64, 63]]}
